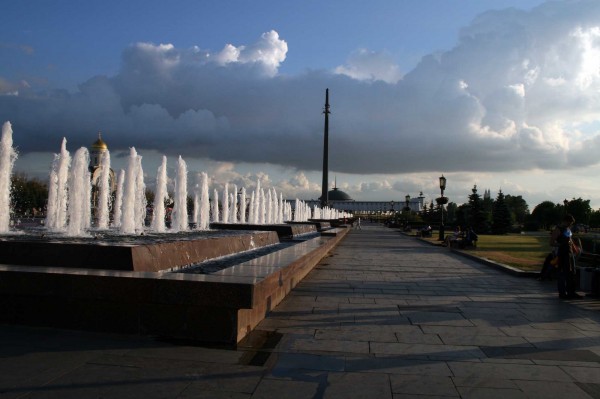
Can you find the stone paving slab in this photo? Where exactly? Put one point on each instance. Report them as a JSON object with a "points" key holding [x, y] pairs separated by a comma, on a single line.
{"points": [[384, 316]]}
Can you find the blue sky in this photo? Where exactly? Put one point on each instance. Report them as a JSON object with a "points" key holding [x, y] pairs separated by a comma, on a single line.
{"points": [[495, 93], [74, 40]]}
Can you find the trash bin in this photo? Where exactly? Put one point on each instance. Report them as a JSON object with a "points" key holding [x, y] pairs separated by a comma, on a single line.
{"points": [[595, 291]]}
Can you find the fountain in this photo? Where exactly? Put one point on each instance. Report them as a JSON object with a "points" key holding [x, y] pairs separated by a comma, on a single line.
{"points": [[7, 159], [225, 204], [128, 208], [203, 224], [180, 213], [234, 204], [79, 189], [118, 200], [243, 205], [56, 217], [120, 276], [215, 206], [160, 196], [103, 207], [128, 244], [69, 210], [196, 205]]}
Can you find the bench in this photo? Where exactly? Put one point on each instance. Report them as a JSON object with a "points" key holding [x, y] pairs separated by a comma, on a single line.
{"points": [[461, 243], [424, 233]]}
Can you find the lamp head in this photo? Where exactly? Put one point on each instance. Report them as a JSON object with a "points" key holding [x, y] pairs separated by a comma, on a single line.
{"points": [[442, 182]]}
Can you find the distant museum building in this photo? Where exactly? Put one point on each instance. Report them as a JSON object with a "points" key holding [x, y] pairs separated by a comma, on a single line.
{"points": [[338, 199]]}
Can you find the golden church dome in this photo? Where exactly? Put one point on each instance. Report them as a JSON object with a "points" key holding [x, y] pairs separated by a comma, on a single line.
{"points": [[99, 144]]}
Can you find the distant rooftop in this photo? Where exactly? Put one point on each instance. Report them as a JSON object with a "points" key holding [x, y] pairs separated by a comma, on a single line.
{"points": [[338, 195]]}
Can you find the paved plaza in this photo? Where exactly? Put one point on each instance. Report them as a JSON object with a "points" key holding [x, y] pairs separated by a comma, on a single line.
{"points": [[384, 316]]}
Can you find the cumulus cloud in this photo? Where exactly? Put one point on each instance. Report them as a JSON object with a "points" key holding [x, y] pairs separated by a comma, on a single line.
{"points": [[511, 95], [270, 51], [298, 186], [369, 65]]}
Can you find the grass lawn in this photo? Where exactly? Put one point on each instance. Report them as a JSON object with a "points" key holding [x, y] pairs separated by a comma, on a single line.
{"points": [[526, 252]]}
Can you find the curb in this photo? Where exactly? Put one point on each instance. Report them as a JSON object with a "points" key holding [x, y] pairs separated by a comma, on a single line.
{"points": [[484, 261]]}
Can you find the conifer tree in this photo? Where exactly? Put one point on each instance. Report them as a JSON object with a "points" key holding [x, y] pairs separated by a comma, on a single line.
{"points": [[476, 213], [501, 215]]}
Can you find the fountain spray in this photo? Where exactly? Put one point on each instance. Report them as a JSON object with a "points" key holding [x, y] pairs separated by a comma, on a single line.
{"points": [[104, 193], [180, 214], [7, 160], [158, 217]]}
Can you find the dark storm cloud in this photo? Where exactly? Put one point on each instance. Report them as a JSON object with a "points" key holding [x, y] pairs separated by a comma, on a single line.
{"points": [[517, 92]]}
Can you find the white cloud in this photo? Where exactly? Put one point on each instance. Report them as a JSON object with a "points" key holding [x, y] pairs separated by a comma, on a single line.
{"points": [[230, 53], [369, 65], [589, 71], [270, 51]]}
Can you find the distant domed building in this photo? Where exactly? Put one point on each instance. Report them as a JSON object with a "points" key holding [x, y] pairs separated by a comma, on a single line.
{"points": [[337, 195], [97, 151]]}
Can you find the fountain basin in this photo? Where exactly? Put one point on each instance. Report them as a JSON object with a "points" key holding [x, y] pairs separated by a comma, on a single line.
{"points": [[319, 225], [222, 307], [284, 231], [151, 253]]}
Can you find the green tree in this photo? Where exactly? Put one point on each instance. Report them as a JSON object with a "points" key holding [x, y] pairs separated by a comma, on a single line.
{"points": [[580, 209], [544, 215], [595, 218], [519, 210], [149, 196], [487, 207], [476, 215], [462, 215], [501, 219], [28, 196], [451, 209]]}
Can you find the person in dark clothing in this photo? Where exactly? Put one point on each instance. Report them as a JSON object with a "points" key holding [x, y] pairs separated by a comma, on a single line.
{"points": [[562, 241], [470, 239]]}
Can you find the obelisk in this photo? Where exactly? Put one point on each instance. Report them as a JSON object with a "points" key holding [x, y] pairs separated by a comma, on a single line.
{"points": [[325, 183]]}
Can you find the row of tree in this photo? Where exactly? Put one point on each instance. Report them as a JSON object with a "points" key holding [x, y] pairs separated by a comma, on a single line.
{"points": [[508, 213], [28, 196], [483, 214], [501, 215]]}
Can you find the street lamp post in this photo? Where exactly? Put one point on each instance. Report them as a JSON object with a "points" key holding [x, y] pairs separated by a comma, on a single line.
{"points": [[406, 209], [441, 201]]}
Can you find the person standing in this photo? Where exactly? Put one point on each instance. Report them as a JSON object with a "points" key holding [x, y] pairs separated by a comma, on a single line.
{"points": [[358, 224], [562, 242]]}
